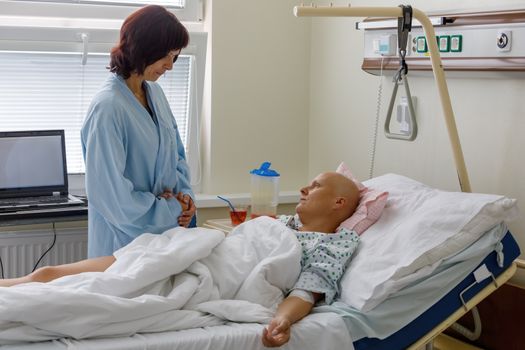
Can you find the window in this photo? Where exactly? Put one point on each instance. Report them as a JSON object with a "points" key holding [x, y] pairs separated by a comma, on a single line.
{"points": [[185, 10], [43, 90], [52, 66], [180, 4]]}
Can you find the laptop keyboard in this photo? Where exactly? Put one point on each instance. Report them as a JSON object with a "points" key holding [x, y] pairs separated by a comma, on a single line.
{"points": [[34, 200]]}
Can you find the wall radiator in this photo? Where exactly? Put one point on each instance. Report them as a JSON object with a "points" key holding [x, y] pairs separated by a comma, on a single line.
{"points": [[20, 250]]}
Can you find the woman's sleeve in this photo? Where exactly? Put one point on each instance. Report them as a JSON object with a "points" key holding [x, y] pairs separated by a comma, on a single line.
{"points": [[183, 170]]}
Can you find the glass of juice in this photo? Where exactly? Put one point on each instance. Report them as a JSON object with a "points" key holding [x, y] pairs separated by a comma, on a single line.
{"points": [[238, 215]]}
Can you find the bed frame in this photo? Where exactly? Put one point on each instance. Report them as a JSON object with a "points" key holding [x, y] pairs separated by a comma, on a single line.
{"points": [[427, 340], [425, 330]]}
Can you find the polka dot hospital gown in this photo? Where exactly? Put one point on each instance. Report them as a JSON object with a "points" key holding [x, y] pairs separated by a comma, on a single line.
{"points": [[324, 259]]}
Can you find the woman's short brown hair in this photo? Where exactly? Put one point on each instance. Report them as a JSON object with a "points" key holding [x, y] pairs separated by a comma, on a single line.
{"points": [[146, 36]]}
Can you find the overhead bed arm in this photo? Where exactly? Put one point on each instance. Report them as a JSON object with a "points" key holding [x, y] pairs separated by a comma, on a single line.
{"points": [[437, 67]]}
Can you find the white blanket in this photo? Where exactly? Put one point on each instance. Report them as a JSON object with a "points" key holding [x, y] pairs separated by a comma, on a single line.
{"points": [[184, 278]]}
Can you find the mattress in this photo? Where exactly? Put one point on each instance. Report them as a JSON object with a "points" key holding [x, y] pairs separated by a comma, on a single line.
{"points": [[446, 305]]}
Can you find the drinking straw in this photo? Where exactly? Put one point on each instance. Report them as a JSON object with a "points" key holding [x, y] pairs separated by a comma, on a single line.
{"points": [[231, 207], [227, 201]]}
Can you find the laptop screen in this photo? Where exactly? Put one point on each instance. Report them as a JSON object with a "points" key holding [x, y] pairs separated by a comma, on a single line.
{"points": [[32, 163]]}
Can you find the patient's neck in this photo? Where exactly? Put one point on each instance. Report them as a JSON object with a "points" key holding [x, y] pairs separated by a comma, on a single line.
{"points": [[319, 225]]}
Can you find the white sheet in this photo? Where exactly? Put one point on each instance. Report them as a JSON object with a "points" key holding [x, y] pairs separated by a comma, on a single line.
{"points": [[254, 264], [316, 331]]}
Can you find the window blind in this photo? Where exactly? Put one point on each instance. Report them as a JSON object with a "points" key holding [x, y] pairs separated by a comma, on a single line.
{"points": [[43, 90], [168, 3]]}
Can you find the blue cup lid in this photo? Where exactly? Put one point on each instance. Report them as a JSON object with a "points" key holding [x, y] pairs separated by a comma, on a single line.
{"points": [[265, 170]]}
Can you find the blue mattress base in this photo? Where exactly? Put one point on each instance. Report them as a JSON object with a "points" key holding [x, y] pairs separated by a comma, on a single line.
{"points": [[445, 306]]}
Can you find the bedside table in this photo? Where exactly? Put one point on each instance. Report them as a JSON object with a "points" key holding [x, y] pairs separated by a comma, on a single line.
{"points": [[224, 225]]}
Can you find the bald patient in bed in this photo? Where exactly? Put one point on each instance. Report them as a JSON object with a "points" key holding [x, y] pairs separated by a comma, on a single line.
{"points": [[330, 199], [326, 202]]}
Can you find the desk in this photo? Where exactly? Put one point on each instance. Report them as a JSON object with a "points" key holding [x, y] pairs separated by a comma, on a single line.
{"points": [[44, 216]]}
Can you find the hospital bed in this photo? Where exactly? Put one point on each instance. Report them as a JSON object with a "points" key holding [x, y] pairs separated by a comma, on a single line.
{"points": [[317, 331], [407, 318]]}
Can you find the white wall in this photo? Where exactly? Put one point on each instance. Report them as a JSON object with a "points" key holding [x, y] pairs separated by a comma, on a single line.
{"points": [[490, 115], [258, 108]]}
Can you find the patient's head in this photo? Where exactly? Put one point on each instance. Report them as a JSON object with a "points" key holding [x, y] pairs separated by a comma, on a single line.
{"points": [[327, 201]]}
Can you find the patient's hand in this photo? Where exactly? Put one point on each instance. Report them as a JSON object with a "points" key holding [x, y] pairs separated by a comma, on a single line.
{"points": [[291, 310], [277, 332]]}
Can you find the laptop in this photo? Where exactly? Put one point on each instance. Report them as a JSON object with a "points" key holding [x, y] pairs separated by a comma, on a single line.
{"points": [[33, 171]]}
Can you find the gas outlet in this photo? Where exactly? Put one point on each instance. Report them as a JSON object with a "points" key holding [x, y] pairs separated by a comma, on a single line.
{"points": [[504, 40]]}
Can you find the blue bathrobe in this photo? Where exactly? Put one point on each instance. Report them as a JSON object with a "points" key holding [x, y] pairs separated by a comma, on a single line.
{"points": [[131, 157]]}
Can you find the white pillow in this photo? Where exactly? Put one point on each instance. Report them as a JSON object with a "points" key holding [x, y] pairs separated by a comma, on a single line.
{"points": [[420, 226]]}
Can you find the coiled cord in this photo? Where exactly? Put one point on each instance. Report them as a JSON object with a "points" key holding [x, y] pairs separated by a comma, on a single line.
{"points": [[467, 333], [376, 124]]}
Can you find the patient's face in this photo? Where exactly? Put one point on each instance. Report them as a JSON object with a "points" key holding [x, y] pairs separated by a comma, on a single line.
{"points": [[318, 197]]}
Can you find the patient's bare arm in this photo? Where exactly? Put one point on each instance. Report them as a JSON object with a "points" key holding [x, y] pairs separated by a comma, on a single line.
{"points": [[291, 310], [49, 273]]}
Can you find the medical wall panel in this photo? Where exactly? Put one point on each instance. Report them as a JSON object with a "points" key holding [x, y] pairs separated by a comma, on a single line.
{"points": [[480, 42]]}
